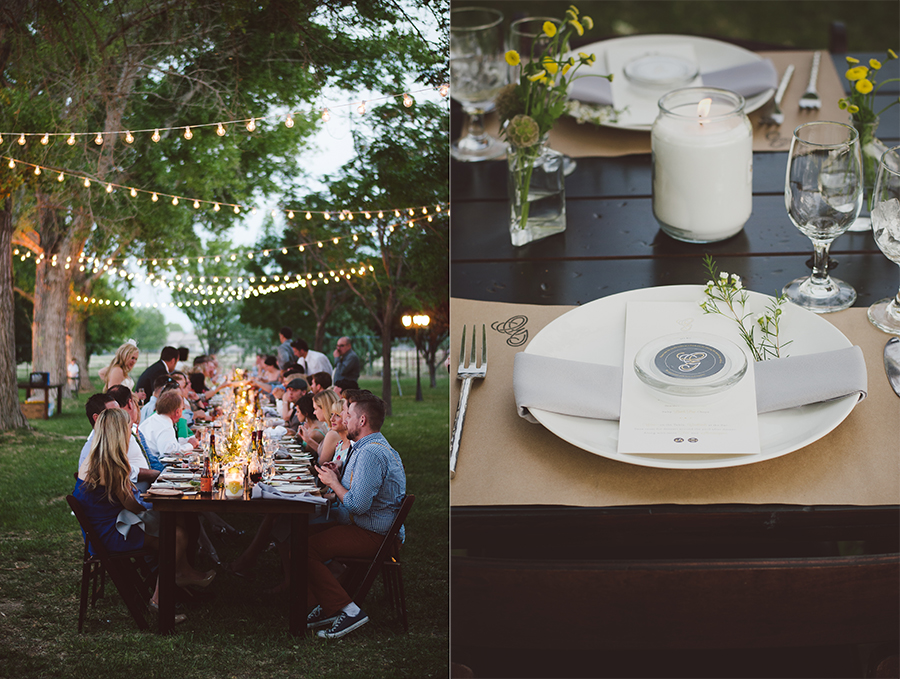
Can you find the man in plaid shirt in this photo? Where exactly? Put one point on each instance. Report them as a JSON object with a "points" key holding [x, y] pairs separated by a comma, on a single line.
{"points": [[371, 487]]}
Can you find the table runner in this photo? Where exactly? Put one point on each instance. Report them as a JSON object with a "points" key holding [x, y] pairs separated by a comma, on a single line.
{"points": [[504, 460], [585, 140]]}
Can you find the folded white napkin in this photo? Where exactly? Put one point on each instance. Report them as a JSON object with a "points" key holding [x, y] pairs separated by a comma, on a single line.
{"points": [[125, 520], [595, 391], [747, 80], [265, 491]]}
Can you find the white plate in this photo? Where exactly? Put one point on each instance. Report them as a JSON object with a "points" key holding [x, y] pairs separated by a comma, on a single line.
{"points": [[165, 492], [296, 489], [712, 55], [595, 333]]}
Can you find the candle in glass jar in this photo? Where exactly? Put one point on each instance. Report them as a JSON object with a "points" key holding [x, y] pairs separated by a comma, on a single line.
{"points": [[702, 145]]}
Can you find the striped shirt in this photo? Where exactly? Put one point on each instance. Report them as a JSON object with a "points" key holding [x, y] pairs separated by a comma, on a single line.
{"points": [[377, 483]]}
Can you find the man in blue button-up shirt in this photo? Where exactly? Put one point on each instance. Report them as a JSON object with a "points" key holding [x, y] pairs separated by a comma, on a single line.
{"points": [[371, 488]]}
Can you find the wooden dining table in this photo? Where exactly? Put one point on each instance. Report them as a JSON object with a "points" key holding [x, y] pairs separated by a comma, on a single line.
{"points": [[522, 496]]}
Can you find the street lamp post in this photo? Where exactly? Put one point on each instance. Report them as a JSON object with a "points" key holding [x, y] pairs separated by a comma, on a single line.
{"points": [[418, 321]]}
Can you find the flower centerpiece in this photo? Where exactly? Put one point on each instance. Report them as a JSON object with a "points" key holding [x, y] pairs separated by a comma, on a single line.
{"points": [[528, 109], [860, 104]]}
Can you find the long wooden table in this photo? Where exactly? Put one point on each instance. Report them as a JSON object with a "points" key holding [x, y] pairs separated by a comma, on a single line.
{"points": [[299, 517], [613, 244]]}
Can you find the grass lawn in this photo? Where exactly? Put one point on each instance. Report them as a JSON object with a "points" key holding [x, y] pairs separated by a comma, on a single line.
{"points": [[239, 631]]}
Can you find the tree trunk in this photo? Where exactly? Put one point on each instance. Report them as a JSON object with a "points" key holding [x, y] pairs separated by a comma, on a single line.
{"points": [[386, 359], [76, 347], [11, 416]]}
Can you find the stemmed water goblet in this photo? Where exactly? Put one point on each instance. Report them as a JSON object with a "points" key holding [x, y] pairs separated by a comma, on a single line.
{"points": [[823, 194], [478, 72], [885, 314]]}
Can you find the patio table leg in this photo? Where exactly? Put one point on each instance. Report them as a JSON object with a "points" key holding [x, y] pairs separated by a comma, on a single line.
{"points": [[166, 572], [299, 555]]}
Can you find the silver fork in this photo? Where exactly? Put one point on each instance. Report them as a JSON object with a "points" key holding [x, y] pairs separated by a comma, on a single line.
{"points": [[466, 373], [810, 98], [776, 116]]}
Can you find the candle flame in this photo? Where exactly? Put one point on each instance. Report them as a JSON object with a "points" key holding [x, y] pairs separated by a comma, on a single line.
{"points": [[703, 107]]}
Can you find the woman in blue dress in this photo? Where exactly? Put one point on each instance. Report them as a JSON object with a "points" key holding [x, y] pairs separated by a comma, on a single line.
{"points": [[104, 489]]}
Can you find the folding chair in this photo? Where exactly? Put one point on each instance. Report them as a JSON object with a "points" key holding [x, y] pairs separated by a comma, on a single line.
{"points": [[124, 569], [386, 560]]}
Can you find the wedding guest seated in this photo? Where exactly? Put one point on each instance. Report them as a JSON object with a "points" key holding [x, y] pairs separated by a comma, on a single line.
{"points": [[202, 378], [295, 390], [311, 430], [159, 429], [287, 375], [140, 471], [343, 385], [336, 448], [319, 382], [158, 385], [127, 402], [270, 379], [119, 369], [322, 403], [104, 489]]}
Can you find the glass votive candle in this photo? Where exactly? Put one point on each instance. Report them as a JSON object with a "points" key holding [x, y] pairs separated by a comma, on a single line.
{"points": [[234, 482], [702, 145]]}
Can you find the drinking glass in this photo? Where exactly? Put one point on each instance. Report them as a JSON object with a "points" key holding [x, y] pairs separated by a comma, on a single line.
{"points": [[823, 193], [885, 314], [478, 71]]}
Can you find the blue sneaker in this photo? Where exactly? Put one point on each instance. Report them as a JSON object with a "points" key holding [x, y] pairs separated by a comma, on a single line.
{"points": [[344, 625], [317, 618]]}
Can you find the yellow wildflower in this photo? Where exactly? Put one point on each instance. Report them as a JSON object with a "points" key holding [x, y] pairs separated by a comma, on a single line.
{"points": [[864, 86], [853, 108], [512, 58], [842, 104], [588, 22], [857, 73], [547, 80], [874, 64], [550, 66], [565, 69], [537, 76], [892, 54], [573, 9], [578, 26], [851, 60], [549, 29]]}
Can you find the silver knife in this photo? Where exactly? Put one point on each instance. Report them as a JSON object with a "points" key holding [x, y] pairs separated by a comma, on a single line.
{"points": [[892, 363]]}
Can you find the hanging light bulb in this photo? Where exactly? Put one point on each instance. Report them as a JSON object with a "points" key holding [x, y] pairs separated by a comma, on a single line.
{"points": [[196, 204], [290, 214], [437, 207], [361, 108], [109, 188], [368, 216], [216, 207], [236, 209], [98, 140], [327, 215], [155, 136], [341, 215], [335, 240], [326, 116], [251, 125], [22, 140], [154, 198], [37, 169], [302, 249], [187, 133], [444, 89], [133, 192], [175, 200], [87, 182], [308, 216], [71, 140], [220, 130], [60, 177], [396, 213], [45, 139], [289, 122], [129, 137], [380, 215], [407, 100], [411, 211]]}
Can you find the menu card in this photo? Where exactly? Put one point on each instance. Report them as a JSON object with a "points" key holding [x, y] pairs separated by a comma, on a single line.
{"points": [[724, 423]]}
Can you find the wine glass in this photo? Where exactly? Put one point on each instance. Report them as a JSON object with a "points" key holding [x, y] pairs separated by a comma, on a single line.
{"points": [[527, 37], [478, 71], [823, 193], [885, 314]]}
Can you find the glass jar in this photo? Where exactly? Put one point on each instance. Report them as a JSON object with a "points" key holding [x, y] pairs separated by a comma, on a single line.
{"points": [[537, 193], [702, 145]]}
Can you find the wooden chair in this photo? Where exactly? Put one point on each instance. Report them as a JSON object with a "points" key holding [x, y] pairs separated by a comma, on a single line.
{"points": [[124, 569], [503, 605], [362, 572]]}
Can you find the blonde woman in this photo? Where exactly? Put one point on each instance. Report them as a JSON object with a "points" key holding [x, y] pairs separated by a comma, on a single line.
{"points": [[104, 489], [323, 402], [119, 369], [338, 453]]}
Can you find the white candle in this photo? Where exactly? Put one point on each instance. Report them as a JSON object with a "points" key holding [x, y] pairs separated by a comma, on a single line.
{"points": [[702, 165]]}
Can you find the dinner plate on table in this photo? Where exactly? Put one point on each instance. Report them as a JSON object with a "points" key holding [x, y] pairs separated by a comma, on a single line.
{"points": [[595, 333], [712, 55], [165, 492], [295, 490]]}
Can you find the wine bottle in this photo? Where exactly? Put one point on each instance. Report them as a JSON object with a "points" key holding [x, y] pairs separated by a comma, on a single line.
{"points": [[206, 478]]}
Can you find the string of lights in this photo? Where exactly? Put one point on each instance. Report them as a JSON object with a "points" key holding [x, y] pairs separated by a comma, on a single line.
{"points": [[221, 127]]}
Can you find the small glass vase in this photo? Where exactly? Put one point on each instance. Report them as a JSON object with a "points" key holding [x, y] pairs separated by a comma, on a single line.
{"points": [[537, 193], [872, 149]]}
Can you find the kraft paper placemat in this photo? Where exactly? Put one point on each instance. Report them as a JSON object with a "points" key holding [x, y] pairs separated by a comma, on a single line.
{"points": [[588, 140], [504, 460]]}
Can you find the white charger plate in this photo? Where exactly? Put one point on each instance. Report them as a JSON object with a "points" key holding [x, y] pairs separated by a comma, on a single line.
{"points": [[595, 333], [712, 55]]}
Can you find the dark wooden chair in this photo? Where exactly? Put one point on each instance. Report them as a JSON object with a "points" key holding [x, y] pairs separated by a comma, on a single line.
{"points": [[361, 573], [672, 604], [127, 570]]}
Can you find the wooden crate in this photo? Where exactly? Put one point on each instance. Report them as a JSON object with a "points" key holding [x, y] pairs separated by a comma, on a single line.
{"points": [[34, 410]]}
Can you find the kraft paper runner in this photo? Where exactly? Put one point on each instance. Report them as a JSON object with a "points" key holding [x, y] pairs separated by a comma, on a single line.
{"points": [[586, 140], [504, 460]]}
